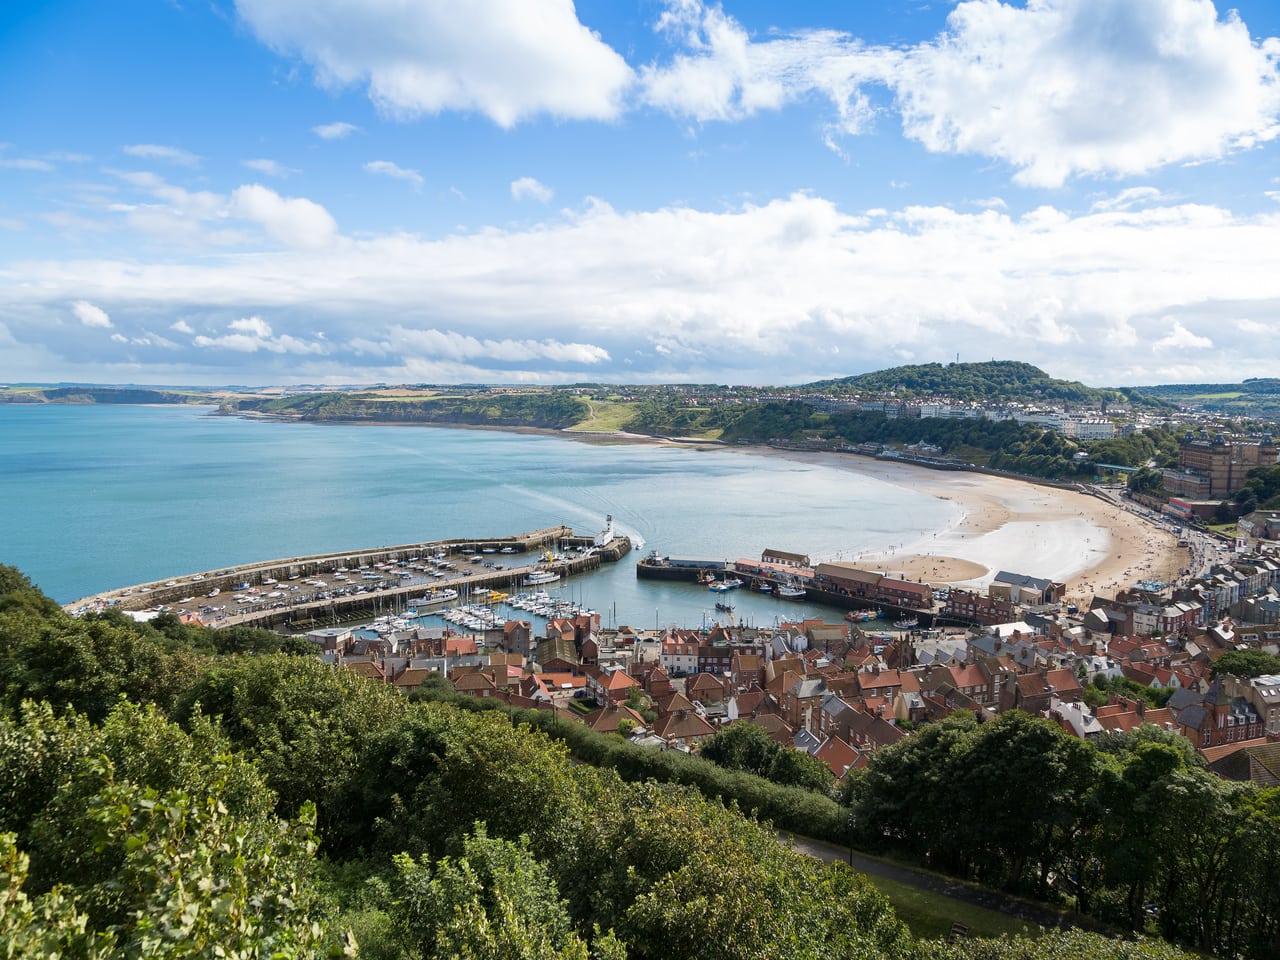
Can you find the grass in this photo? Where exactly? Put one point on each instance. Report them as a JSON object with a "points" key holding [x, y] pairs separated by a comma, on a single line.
{"points": [[607, 415], [929, 915]]}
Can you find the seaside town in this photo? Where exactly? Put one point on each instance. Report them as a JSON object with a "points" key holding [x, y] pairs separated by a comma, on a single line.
{"points": [[686, 479], [908, 650]]}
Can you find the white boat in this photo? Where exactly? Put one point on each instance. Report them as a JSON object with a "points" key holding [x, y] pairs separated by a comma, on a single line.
{"points": [[789, 591], [540, 577], [435, 598]]}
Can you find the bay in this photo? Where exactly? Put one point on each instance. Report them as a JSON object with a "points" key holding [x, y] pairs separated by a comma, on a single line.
{"points": [[98, 497]]}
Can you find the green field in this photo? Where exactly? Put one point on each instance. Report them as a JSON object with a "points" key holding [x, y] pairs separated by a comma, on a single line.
{"points": [[930, 915], [606, 415]]}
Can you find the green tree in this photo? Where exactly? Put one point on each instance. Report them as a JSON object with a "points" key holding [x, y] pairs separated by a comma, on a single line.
{"points": [[163, 844], [1246, 663], [306, 723], [494, 900]]}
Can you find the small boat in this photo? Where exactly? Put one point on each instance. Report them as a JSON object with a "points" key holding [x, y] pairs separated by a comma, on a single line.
{"points": [[764, 586], [726, 607], [720, 586], [213, 593], [906, 623], [789, 591], [540, 577]]}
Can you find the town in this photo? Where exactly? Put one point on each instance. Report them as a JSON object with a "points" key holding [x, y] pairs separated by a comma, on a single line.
{"points": [[840, 691]]}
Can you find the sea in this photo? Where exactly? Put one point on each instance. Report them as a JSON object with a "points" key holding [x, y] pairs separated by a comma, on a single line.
{"points": [[98, 497]]}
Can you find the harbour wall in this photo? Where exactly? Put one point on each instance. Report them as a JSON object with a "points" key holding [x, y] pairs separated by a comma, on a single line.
{"points": [[196, 588]]}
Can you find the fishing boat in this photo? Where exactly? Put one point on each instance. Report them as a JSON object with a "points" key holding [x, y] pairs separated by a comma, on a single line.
{"points": [[764, 586], [906, 623], [724, 606], [720, 586], [540, 577], [861, 616], [789, 591]]}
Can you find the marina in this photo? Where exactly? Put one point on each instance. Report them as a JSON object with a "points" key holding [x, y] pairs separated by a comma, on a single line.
{"points": [[388, 579]]}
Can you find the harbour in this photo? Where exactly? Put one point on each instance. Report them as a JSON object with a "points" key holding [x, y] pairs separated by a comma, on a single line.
{"points": [[363, 584]]}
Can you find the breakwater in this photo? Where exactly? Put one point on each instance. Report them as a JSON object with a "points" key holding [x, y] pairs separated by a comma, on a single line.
{"points": [[465, 564]]}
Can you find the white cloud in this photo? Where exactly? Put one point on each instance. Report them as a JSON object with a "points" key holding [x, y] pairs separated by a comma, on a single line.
{"points": [[507, 59], [724, 75], [529, 188], [90, 315], [182, 326], [177, 215], [334, 131], [449, 345], [252, 334], [1055, 88], [254, 326], [296, 221], [1128, 198], [1180, 338], [385, 168], [155, 151], [758, 293], [1060, 88], [272, 168], [27, 163]]}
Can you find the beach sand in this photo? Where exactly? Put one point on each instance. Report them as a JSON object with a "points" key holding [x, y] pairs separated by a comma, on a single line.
{"points": [[1091, 545]]}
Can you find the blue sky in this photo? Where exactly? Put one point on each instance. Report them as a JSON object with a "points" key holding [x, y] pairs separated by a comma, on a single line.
{"points": [[350, 191]]}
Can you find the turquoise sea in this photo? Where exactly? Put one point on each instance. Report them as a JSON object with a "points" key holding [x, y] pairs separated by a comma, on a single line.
{"points": [[96, 497]]}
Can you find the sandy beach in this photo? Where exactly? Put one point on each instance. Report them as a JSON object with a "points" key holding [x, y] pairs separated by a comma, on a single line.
{"points": [[1092, 546]]}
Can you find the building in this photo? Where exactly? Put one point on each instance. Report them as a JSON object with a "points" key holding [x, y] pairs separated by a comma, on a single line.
{"points": [[1258, 531], [1088, 428], [1215, 468]]}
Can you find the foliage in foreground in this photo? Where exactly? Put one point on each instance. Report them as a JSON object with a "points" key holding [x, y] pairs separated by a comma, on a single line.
{"points": [[451, 833], [1132, 828]]}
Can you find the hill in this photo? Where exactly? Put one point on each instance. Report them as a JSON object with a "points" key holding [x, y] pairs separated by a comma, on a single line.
{"points": [[551, 409], [1257, 398], [995, 380]]}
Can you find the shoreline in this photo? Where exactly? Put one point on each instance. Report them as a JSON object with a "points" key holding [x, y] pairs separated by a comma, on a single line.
{"points": [[1092, 546]]}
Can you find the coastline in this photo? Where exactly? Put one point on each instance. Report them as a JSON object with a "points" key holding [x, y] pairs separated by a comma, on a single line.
{"points": [[1092, 546]]}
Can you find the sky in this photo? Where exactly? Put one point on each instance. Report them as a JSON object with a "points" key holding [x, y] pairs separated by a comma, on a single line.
{"points": [[214, 192]]}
